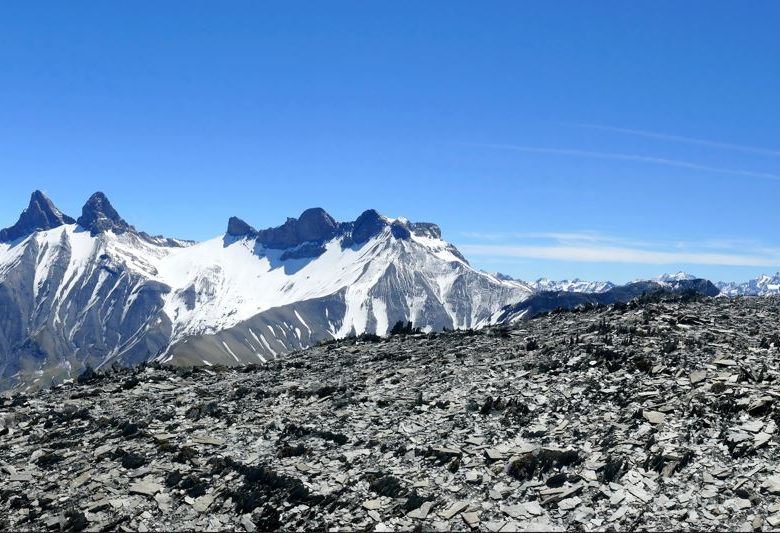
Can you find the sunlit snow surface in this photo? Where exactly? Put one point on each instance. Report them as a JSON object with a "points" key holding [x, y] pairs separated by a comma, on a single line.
{"points": [[218, 283], [235, 280]]}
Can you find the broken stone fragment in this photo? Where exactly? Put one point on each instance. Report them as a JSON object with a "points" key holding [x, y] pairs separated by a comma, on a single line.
{"points": [[772, 484], [493, 454], [205, 439], [532, 508], [249, 526], [654, 417], [145, 488], [21, 476], [697, 376], [372, 505], [421, 513], [569, 503], [473, 477], [753, 426], [80, 480], [163, 501], [454, 509], [471, 519], [761, 439], [202, 503]]}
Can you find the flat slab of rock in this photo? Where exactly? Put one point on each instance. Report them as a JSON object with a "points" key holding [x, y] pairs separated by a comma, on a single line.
{"points": [[205, 439], [471, 519], [697, 376], [80, 480], [202, 503], [145, 488], [372, 505], [654, 417], [421, 513], [569, 503], [454, 509]]}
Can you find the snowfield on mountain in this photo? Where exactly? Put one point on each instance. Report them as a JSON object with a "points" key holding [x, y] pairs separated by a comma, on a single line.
{"points": [[96, 291]]}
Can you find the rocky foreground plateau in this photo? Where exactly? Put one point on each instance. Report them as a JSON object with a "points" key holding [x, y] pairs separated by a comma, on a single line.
{"points": [[657, 415]]}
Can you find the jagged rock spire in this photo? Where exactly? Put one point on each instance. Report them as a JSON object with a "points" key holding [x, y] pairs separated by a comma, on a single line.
{"points": [[239, 228], [40, 215], [98, 216], [369, 224]]}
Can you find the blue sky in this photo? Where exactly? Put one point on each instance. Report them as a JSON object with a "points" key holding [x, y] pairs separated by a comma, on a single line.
{"points": [[594, 139]]}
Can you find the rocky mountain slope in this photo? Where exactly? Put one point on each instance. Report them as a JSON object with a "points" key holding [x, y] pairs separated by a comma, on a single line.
{"points": [[96, 291], [660, 415], [545, 301]]}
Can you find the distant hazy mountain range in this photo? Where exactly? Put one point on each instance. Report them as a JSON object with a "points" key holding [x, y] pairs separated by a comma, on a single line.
{"points": [[764, 285]]}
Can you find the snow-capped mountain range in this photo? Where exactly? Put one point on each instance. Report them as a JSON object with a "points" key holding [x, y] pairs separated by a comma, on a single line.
{"points": [[763, 285], [677, 276], [95, 291], [575, 285]]}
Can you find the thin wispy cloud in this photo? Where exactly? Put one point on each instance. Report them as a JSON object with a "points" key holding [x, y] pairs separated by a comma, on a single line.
{"points": [[614, 254], [557, 236], [497, 236], [683, 139], [594, 247], [632, 157]]}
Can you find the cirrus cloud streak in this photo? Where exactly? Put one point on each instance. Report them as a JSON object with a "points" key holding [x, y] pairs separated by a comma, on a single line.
{"points": [[631, 157], [616, 254]]}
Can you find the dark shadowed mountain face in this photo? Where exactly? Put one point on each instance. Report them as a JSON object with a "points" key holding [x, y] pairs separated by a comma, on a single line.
{"points": [[96, 291], [98, 216], [40, 215]]}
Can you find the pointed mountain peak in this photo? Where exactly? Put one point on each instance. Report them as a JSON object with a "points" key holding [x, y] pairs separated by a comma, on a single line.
{"points": [[98, 216], [39, 196], [41, 214], [239, 228], [677, 276], [369, 224]]}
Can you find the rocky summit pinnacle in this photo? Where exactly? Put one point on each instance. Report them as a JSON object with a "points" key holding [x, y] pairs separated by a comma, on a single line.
{"points": [[41, 214], [314, 225], [98, 216], [239, 228], [367, 225]]}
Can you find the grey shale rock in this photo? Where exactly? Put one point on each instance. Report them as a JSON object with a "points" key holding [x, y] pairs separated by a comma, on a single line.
{"points": [[656, 415]]}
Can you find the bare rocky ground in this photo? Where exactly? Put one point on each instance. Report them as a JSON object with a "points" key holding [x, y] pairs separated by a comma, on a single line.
{"points": [[655, 415]]}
